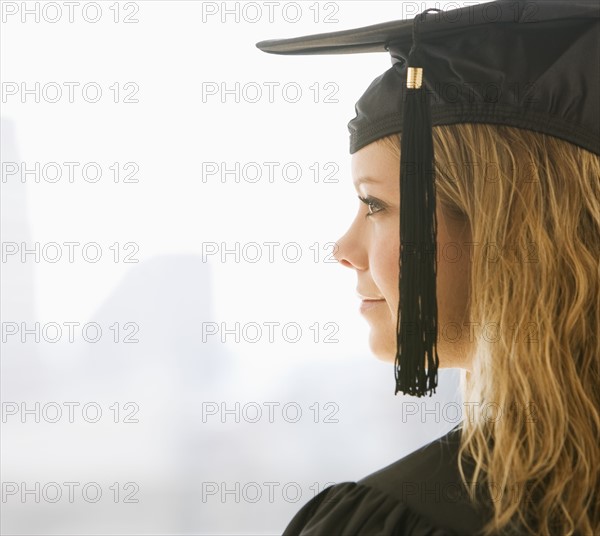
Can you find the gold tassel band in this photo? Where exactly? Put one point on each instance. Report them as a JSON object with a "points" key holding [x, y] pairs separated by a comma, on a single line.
{"points": [[414, 77]]}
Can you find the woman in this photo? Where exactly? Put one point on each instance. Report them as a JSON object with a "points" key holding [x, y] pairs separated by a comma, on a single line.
{"points": [[516, 221]]}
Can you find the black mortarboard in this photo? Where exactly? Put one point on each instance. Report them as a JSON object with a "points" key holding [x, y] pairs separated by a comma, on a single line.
{"points": [[533, 64]]}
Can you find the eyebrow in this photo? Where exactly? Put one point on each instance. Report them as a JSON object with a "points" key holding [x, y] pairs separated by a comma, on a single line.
{"points": [[366, 180]]}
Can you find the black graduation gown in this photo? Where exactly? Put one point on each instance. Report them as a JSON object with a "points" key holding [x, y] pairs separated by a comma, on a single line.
{"points": [[418, 495]]}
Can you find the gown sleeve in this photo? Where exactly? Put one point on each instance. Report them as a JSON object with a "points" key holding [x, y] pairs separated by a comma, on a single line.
{"points": [[349, 508]]}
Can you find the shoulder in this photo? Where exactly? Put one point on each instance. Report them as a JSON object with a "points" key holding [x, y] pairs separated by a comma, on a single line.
{"points": [[349, 508], [418, 495], [435, 461], [428, 481]]}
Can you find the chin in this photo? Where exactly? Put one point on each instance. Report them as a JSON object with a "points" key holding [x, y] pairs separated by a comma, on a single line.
{"points": [[382, 345]]}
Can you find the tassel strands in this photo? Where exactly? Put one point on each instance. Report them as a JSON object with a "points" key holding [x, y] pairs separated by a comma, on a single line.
{"points": [[416, 327]]}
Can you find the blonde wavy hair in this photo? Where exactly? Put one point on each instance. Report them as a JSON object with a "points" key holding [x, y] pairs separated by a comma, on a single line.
{"points": [[538, 198]]}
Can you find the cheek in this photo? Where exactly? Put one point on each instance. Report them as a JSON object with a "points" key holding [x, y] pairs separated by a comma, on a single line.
{"points": [[384, 266]]}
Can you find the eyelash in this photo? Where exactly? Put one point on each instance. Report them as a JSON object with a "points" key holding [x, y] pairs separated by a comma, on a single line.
{"points": [[371, 203]]}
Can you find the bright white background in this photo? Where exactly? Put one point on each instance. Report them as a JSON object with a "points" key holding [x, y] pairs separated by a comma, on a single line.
{"points": [[191, 472]]}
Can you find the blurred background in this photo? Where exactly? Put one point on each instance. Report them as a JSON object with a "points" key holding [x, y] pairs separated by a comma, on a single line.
{"points": [[180, 352]]}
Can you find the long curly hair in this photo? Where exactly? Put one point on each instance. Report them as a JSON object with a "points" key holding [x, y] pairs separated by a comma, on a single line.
{"points": [[532, 202]]}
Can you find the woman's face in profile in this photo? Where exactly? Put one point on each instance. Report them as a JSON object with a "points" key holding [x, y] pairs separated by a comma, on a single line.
{"points": [[371, 247]]}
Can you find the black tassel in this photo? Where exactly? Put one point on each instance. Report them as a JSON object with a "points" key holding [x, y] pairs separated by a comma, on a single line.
{"points": [[417, 310]]}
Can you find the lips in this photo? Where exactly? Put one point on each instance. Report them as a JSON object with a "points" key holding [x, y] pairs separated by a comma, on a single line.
{"points": [[367, 304], [364, 297]]}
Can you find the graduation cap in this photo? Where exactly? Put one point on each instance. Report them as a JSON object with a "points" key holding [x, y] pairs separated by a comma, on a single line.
{"points": [[531, 64]]}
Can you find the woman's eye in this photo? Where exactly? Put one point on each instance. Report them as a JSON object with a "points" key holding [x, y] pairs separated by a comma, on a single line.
{"points": [[373, 205]]}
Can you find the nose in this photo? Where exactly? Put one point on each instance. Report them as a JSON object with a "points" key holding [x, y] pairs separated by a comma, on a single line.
{"points": [[349, 249], [343, 261]]}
